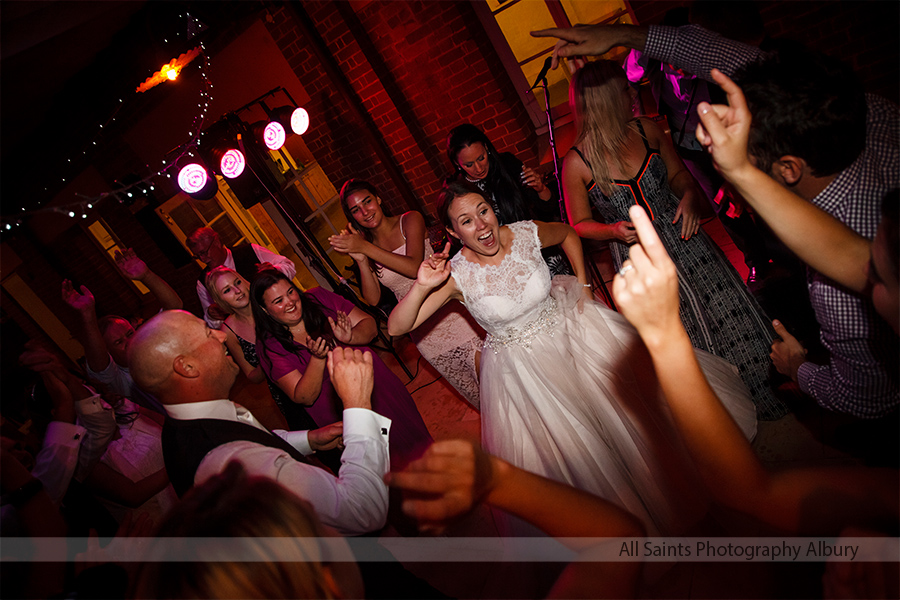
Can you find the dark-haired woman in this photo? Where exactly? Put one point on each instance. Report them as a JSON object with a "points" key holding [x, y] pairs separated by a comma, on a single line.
{"points": [[515, 191], [295, 330], [388, 250]]}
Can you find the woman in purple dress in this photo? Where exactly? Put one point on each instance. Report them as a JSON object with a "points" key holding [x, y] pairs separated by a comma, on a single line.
{"points": [[295, 330]]}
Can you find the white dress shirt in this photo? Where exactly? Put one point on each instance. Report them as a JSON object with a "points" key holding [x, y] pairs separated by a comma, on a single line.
{"points": [[354, 502]]}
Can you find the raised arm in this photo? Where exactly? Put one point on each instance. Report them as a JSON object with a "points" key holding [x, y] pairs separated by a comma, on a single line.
{"points": [[357, 328], [648, 297], [134, 268], [433, 288], [593, 40], [576, 176], [564, 235], [304, 386], [454, 476], [820, 240], [82, 302]]}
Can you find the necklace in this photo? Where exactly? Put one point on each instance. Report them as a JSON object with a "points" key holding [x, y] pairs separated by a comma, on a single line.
{"points": [[470, 180]]}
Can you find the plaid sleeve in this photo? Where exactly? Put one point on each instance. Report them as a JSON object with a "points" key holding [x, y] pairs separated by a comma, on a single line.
{"points": [[697, 50]]}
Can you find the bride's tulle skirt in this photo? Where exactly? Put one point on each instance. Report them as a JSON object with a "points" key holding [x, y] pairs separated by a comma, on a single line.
{"points": [[581, 404]]}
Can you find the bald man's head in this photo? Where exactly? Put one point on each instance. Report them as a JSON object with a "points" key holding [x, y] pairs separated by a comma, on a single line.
{"points": [[175, 350]]}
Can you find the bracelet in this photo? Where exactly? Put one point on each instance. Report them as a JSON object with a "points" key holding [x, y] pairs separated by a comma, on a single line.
{"points": [[586, 285]]}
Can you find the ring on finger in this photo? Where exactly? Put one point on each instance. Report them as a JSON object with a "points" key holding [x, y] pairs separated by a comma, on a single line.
{"points": [[625, 269]]}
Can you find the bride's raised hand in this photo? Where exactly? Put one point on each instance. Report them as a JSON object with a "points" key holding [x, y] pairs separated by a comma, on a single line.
{"points": [[435, 269]]}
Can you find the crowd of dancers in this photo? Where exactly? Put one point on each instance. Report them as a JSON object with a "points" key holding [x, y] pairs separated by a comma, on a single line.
{"points": [[635, 421]]}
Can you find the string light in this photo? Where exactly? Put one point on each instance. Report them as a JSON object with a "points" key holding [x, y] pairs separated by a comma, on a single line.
{"points": [[72, 210]]}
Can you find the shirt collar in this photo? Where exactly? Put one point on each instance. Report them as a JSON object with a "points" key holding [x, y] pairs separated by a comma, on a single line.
{"points": [[225, 410]]}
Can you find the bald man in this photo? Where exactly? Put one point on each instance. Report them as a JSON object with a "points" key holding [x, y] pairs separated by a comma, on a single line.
{"points": [[205, 244], [179, 359]]}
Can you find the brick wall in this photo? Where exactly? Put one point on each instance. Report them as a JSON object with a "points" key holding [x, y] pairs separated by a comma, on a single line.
{"points": [[419, 68], [864, 34]]}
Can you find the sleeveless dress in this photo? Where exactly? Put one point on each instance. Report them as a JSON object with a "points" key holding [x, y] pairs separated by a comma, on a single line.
{"points": [[573, 396], [296, 416], [409, 435], [717, 311], [448, 340]]}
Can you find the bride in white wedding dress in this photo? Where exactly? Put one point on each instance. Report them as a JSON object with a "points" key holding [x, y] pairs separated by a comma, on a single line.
{"points": [[567, 387]]}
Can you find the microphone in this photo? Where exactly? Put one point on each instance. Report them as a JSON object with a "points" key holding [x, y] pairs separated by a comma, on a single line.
{"points": [[543, 74]]}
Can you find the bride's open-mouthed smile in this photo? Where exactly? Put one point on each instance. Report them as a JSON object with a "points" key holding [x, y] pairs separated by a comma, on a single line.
{"points": [[475, 224]]}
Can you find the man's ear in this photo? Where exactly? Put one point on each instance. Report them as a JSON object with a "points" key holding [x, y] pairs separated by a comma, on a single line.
{"points": [[789, 169], [184, 366], [452, 233]]}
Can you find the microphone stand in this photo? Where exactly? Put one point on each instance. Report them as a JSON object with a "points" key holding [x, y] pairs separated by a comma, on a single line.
{"points": [[556, 169]]}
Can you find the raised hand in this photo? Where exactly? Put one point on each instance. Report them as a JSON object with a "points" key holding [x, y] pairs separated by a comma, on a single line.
{"points": [[82, 302], [318, 347], [451, 478], [588, 40], [724, 130], [328, 437], [341, 327], [435, 269], [352, 375], [646, 287], [130, 265]]}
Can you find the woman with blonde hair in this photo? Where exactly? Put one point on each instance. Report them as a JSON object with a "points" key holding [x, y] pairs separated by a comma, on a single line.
{"points": [[231, 293], [618, 162]]}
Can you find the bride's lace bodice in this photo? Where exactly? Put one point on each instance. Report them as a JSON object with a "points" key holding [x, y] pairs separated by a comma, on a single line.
{"points": [[510, 300]]}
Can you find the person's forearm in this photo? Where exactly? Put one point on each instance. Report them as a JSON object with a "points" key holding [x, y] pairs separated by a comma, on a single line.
{"points": [[308, 388], [594, 230], [726, 461], [95, 351], [168, 298], [369, 283], [408, 266], [820, 240], [527, 496], [575, 253], [363, 332], [405, 317], [680, 182]]}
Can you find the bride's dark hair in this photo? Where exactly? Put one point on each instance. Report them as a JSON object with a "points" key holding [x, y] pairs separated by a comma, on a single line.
{"points": [[453, 189], [314, 318]]}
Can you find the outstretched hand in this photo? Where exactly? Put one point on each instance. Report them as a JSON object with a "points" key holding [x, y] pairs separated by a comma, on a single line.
{"points": [[435, 269], [646, 288], [450, 479], [724, 130], [342, 327], [130, 265], [587, 40], [82, 302], [318, 347], [353, 376]]}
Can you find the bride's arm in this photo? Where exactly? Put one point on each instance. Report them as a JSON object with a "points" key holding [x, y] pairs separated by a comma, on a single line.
{"points": [[432, 289], [565, 236]]}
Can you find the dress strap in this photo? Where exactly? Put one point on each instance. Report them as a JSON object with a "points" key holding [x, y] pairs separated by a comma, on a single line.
{"points": [[644, 137], [591, 183], [401, 226]]}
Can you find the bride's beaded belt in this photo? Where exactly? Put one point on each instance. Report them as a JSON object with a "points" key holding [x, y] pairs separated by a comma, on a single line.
{"points": [[522, 336]]}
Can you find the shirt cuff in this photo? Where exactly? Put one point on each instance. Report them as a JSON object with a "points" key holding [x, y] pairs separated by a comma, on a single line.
{"points": [[365, 422], [805, 374], [298, 439]]}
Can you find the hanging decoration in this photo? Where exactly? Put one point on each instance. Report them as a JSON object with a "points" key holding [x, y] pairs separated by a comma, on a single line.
{"points": [[169, 71]]}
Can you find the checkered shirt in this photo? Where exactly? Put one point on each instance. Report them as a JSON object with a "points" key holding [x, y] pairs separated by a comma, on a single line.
{"points": [[861, 377]]}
